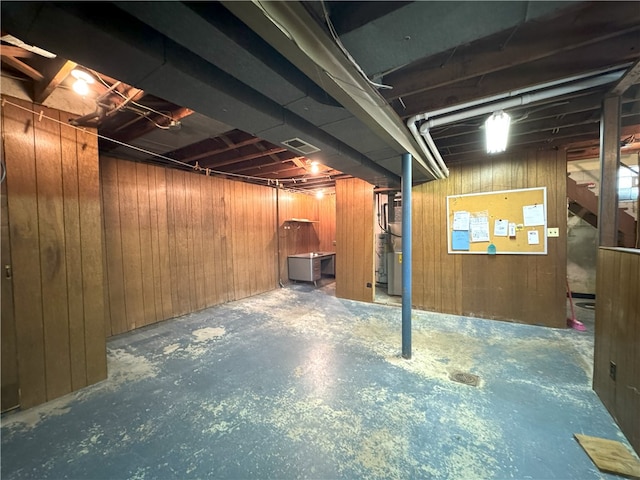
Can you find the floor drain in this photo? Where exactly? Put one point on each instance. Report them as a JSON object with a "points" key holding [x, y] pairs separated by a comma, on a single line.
{"points": [[466, 378]]}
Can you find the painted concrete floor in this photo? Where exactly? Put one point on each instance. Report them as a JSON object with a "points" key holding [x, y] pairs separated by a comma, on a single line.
{"points": [[296, 383]]}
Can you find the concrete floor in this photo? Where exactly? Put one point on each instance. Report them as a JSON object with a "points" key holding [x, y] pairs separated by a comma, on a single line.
{"points": [[296, 383]]}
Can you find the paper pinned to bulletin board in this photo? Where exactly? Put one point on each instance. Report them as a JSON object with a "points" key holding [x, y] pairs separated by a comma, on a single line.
{"points": [[512, 221]]}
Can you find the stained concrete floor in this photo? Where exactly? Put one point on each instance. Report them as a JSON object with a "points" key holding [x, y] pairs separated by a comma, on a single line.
{"points": [[297, 383]]}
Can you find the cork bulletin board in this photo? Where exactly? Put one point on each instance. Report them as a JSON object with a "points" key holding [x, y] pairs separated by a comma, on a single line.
{"points": [[505, 222]]}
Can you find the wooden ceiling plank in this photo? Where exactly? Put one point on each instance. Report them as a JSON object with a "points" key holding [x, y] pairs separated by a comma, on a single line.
{"points": [[49, 84]]}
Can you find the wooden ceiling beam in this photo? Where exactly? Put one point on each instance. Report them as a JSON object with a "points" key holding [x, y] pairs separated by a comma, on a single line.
{"points": [[631, 77], [596, 23], [53, 81], [16, 52], [22, 67], [212, 163], [217, 151]]}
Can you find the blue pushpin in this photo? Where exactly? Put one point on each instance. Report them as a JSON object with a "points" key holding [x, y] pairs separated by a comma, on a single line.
{"points": [[491, 249]]}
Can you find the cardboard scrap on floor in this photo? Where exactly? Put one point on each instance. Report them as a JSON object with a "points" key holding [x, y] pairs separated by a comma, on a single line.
{"points": [[610, 456]]}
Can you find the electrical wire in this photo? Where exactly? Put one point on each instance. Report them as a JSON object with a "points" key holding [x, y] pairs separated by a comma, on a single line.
{"points": [[336, 39], [97, 75], [278, 183]]}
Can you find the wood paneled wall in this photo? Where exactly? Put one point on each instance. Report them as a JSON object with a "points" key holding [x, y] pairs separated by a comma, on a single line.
{"points": [[56, 252], [304, 237], [617, 338], [522, 288], [177, 242], [354, 240]]}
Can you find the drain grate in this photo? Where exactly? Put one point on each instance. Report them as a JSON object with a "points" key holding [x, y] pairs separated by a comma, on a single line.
{"points": [[466, 378]]}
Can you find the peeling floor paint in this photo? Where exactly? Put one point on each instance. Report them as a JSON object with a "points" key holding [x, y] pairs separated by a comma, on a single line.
{"points": [[296, 383]]}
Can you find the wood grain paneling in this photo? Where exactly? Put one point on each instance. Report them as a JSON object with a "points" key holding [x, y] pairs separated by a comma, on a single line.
{"points": [[52, 254], [9, 395], [354, 240], [617, 337], [178, 242], [56, 251], [521, 288]]}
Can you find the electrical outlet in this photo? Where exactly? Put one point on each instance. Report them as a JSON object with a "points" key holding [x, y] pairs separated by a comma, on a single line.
{"points": [[612, 370], [553, 232]]}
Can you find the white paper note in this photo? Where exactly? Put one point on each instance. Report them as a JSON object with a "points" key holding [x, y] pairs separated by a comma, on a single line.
{"points": [[479, 227], [501, 228], [533, 215], [533, 238], [512, 229], [461, 220]]}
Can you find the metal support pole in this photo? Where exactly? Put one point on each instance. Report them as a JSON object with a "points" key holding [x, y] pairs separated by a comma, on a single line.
{"points": [[406, 255]]}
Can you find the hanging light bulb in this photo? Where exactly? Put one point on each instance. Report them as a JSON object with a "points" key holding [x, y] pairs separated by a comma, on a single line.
{"points": [[319, 194], [314, 167], [83, 79], [497, 131]]}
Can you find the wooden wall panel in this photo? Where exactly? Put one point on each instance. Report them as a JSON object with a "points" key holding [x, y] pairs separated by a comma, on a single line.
{"points": [[52, 254], [297, 238], [354, 240], [56, 251], [191, 242], [73, 253], [92, 262], [9, 395], [522, 288], [617, 336], [114, 271]]}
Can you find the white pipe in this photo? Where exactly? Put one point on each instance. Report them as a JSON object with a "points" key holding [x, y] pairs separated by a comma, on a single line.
{"points": [[433, 166], [621, 69], [508, 100], [521, 99]]}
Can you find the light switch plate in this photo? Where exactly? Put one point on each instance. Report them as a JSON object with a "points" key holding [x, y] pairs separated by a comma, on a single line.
{"points": [[553, 232]]}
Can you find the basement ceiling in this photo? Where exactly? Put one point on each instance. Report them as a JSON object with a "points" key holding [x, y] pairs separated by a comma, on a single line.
{"points": [[260, 91]]}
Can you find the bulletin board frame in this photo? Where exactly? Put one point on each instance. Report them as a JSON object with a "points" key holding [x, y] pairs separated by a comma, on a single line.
{"points": [[492, 210]]}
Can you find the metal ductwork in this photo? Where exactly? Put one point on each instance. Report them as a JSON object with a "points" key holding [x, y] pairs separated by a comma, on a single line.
{"points": [[139, 54]]}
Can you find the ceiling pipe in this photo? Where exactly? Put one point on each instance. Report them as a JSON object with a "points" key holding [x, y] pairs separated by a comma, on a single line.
{"points": [[517, 98], [498, 102]]}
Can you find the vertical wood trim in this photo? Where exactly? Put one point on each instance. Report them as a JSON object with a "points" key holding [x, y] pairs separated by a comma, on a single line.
{"points": [[146, 257], [91, 241], [9, 395], [132, 264], [198, 253], [23, 228], [113, 240], [163, 242], [52, 255], [73, 255], [609, 165], [156, 279]]}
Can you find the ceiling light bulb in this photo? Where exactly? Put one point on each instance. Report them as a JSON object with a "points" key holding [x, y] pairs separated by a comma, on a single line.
{"points": [[497, 131], [314, 167], [319, 194], [83, 79], [80, 87]]}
